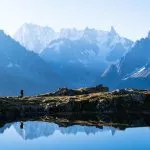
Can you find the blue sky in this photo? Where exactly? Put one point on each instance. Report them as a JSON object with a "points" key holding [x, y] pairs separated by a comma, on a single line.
{"points": [[131, 18]]}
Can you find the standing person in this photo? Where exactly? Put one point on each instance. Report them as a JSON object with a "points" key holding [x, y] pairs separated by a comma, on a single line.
{"points": [[21, 125], [21, 93]]}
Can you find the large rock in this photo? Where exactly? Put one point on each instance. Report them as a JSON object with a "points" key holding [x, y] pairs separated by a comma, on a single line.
{"points": [[69, 92]]}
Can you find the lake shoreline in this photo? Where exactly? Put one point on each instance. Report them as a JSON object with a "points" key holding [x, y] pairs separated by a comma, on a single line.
{"points": [[81, 103], [120, 121]]}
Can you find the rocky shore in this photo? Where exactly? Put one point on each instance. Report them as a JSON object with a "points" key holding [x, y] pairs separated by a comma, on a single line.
{"points": [[64, 102]]}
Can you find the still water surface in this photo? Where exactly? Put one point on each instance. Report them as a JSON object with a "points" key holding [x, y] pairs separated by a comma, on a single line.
{"points": [[49, 136]]}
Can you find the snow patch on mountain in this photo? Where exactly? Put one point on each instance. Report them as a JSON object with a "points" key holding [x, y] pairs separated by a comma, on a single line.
{"points": [[34, 37], [37, 38]]}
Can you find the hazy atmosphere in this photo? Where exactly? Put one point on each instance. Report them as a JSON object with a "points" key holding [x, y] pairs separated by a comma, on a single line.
{"points": [[74, 74], [129, 17]]}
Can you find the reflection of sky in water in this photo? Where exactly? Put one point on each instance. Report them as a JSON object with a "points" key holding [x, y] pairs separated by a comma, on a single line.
{"points": [[46, 136]]}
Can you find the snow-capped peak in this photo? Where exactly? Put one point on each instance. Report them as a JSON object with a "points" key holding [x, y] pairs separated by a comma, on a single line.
{"points": [[37, 38]]}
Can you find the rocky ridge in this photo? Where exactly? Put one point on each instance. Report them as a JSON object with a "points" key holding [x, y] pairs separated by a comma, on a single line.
{"points": [[102, 102]]}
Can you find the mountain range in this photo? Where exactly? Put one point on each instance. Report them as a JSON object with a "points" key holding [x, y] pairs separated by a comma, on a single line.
{"points": [[39, 59], [77, 56], [23, 69], [37, 38]]}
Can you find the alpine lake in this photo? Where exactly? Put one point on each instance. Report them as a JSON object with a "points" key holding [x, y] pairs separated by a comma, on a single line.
{"points": [[46, 135]]}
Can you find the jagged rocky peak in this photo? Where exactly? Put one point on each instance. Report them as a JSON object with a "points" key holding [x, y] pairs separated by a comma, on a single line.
{"points": [[37, 38], [68, 30], [87, 29], [113, 31], [90, 32]]}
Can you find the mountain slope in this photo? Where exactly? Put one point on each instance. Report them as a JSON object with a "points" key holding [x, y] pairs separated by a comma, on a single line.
{"points": [[77, 61], [133, 70], [22, 69], [139, 79]]}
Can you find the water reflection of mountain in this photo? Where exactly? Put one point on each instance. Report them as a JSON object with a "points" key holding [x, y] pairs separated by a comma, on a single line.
{"points": [[6, 126], [33, 130]]}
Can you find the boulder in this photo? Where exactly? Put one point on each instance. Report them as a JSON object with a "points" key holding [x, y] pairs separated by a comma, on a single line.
{"points": [[65, 92]]}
